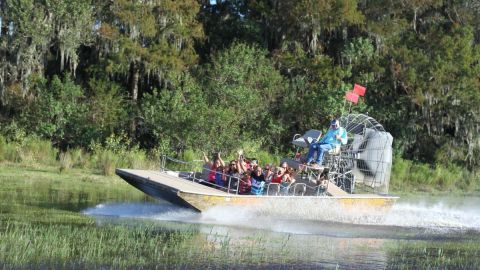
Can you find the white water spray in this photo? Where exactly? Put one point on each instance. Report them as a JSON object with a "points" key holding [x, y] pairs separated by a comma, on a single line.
{"points": [[310, 219], [165, 212], [438, 215]]}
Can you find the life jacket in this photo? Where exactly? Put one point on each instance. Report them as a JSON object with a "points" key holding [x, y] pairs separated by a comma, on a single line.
{"points": [[257, 187]]}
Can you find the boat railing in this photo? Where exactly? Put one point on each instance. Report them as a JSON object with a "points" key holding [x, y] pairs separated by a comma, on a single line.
{"points": [[233, 183]]}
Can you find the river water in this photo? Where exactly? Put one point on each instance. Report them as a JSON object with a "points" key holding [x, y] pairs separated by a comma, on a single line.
{"points": [[49, 221], [417, 233]]}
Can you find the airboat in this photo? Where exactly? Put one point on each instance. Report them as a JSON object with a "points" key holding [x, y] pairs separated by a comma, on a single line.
{"points": [[354, 176]]}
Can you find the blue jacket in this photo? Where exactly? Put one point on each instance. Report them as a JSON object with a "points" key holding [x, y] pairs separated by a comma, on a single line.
{"points": [[330, 137]]}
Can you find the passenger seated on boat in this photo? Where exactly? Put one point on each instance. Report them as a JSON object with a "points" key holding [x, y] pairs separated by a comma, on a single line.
{"points": [[287, 180], [257, 174], [245, 184], [268, 173], [258, 181], [289, 177], [253, 165], [257, 187], [335, 136], [278, 176], [233, 174], [213, 166], [220, 176]]}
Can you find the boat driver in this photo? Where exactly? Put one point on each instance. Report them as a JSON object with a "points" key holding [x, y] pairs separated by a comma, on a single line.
{"points": [[335, 136]]}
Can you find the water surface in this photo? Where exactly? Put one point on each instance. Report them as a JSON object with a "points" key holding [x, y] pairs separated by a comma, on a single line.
{"points": [[82, 221], [417, 232]]}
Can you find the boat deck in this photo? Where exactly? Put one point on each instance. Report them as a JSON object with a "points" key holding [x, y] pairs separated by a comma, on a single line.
{"points": [[172, 181]]}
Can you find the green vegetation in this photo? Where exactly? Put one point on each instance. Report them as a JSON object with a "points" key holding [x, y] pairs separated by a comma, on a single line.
{"points": [[33, 151], [406, 177], [461, 254], [122, 246], [171, 76]]}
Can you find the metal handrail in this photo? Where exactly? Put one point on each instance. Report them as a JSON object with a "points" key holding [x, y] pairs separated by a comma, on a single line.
{"points": [[163, 168], [228, 188]]}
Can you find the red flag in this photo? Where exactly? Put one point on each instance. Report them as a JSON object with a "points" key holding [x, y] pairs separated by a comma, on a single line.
{"points": [[359, 90], [352, 97]]}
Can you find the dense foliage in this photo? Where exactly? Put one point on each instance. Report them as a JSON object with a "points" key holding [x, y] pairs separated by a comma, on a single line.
{"points": [[213, 75]]}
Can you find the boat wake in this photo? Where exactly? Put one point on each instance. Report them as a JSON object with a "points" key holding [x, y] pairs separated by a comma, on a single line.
{"points": [[405, 219], [437, 215], [163, 211]]}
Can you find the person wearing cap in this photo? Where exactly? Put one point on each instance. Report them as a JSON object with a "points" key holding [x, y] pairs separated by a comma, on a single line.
{"points": [[335, 136]]}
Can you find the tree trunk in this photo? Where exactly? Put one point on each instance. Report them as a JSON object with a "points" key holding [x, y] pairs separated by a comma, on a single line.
{"points": [[135, 71], [415, 19], [135, 79]]}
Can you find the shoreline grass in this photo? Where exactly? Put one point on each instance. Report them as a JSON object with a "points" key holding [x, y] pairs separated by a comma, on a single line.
{"points": [[406, 176], [411, 177]]}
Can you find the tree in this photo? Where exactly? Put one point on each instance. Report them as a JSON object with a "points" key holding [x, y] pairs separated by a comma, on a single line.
{"points": [[306, 22], [242, 79], [40, 30], [148, 40], [181, 118], [59, 112]]}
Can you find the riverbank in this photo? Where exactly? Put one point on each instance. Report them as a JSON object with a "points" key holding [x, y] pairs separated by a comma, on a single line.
{"points": [[409, 177], [31, 152]]}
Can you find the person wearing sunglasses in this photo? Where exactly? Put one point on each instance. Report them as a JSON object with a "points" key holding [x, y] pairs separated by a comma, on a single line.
{"points": [[335, 136], [268, 173], [232, 174]]}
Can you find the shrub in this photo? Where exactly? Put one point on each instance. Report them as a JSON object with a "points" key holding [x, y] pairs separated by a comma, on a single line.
{"points": [[408, 175], [79, 158], [8, 151], [106, 161], [135, 159], [28, 150], [38, 151], [65, 160]]}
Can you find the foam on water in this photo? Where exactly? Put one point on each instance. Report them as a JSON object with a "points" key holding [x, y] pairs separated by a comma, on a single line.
{"points": [[438, 215], [327, 218], [166, 212]]}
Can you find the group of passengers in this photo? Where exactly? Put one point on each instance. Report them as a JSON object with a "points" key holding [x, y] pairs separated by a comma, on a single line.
{"points": [[249, 177], [246, 175]]}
